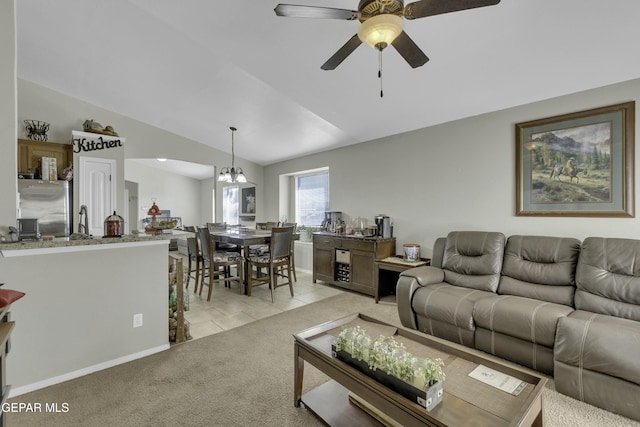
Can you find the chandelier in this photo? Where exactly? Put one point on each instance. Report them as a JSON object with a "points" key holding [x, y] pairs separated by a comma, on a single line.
{"points": [[232, 174]]}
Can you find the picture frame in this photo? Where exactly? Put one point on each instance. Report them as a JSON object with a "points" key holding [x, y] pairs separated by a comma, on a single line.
{"points": [[577, 165], [248, 201]]}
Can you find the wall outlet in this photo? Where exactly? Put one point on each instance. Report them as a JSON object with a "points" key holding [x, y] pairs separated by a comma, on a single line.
{"points": [[137, 320]]}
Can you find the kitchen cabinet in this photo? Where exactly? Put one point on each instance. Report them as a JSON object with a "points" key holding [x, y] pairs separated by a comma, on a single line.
{"points": [[349, 261], [30, 152]]}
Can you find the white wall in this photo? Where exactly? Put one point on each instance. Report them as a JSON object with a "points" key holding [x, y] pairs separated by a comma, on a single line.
{"points": [[177, 193], [455, 176]]}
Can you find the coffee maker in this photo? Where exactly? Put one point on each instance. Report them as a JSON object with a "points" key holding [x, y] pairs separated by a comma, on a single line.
{"points": [[326, 221], [332, 221], [383, 222]]}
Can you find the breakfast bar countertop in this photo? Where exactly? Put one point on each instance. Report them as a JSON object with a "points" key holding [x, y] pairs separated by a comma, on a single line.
{"points": [[34, 247]]}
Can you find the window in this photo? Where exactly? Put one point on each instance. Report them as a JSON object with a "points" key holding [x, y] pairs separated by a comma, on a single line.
{"points": [[230, 205], [312, 198]]}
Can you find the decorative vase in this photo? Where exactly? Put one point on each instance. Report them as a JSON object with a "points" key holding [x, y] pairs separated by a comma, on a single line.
{"points": [[305, 235]]}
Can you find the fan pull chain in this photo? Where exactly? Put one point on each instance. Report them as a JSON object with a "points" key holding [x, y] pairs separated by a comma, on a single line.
{"points": [[380, 71]]}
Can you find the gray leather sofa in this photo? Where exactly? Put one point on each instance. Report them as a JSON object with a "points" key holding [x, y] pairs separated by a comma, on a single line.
{"points": [[553, 304], [597, 350]]}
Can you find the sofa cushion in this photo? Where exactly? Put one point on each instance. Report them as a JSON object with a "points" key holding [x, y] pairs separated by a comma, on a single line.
{"points": [[604, 344], [541, 268], [524, 318], [473, 259], [449, 304], [438, 251], [608, 277], [525, 353]]}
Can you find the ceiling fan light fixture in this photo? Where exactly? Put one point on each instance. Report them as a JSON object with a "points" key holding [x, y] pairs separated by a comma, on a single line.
{"points": [[381, 30]]}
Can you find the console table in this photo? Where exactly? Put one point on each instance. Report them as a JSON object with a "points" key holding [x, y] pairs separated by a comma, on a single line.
{"points": [[349, 261]]}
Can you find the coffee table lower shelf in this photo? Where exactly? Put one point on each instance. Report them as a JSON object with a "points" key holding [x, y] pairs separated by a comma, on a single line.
{"points": [[330, 402]]}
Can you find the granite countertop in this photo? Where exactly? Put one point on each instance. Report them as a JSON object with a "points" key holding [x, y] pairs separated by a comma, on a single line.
{"points": [[66, 242]]}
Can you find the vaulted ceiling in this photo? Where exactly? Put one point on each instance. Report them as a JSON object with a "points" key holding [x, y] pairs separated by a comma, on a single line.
{"points": [[197, 67]]}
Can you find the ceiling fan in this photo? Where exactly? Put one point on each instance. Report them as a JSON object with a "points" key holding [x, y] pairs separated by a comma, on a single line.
{"points": [[381, 23]]}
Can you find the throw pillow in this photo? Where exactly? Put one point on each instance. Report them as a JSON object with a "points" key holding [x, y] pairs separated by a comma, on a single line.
{"points": [[8, 296]]}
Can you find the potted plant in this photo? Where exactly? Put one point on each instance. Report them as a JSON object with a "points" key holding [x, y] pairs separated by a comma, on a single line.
{"points": [[388, 361], [305, 233]]}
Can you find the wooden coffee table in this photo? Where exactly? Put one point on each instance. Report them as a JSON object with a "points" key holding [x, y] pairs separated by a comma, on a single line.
{"points": [[466, 400]]}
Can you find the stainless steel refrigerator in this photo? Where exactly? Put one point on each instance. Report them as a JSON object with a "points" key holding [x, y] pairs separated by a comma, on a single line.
{"points": [[49, 202]]}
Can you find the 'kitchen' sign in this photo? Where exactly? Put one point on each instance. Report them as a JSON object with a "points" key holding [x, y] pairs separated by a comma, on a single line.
{"points": [[91, 144]]}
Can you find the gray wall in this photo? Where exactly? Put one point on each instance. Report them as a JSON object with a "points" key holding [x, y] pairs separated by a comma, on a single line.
{"points": [[8, 132], [77, 314], [455, 176]]}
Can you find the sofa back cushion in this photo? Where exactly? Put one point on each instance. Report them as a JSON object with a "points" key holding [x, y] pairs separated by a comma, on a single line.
{"points": [[540, 267], [473, 259], [608, 277]]}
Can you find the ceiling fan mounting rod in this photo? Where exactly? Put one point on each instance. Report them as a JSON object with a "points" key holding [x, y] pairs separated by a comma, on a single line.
{"points": [[370, 8]]}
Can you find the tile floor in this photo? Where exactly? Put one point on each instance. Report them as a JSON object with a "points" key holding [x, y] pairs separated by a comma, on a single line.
{"points": [[229, 309]]}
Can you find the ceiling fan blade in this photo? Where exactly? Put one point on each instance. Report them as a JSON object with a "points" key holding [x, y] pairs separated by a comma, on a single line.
{"points": [[424, 8], [298, 11], [410, 51], [342, 53]]}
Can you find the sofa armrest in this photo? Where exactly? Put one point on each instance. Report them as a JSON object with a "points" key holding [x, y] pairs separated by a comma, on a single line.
{"points": [[425, 275], [408, 282]]}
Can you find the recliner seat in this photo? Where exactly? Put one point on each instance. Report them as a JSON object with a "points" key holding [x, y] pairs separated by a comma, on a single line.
{"points": [[536, 289], [444, 297]]}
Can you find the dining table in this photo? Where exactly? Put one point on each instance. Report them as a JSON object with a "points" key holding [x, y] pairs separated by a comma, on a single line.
{"points": [[245, 238]]}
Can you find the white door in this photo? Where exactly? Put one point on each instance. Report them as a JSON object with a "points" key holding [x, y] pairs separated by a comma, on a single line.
{"points": [[97, 191]]}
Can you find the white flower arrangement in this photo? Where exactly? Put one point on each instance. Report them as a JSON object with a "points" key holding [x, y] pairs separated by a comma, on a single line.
{"points": [[390, 356]]}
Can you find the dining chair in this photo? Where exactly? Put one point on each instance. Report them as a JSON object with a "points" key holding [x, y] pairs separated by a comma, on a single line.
{"points": [[194, 258], [194, 263], [276, 262], [293, 255], [217, 264]]}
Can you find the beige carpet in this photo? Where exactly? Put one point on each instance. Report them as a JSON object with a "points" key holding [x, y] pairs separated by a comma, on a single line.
{"points": [[241, 377]]}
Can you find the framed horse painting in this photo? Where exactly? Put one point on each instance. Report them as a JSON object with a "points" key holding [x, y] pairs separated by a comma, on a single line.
{"points": [[578, 164]]}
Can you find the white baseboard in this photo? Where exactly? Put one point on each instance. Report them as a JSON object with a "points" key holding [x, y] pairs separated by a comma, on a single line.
{"points": [[86, 371]]}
